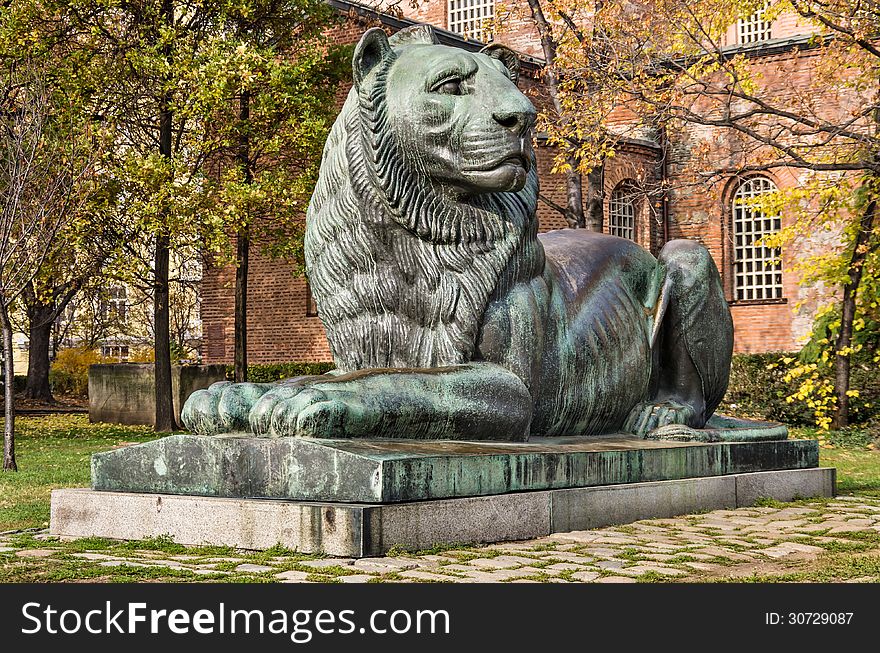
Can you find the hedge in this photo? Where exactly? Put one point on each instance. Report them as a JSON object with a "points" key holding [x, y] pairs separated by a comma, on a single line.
{"points": [[269, 372], [758, 389]]}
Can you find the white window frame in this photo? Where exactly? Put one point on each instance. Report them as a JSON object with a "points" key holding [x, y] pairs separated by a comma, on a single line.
{"points": [[119, 352], [757, 270], [754, 28], [622, 211], [116, 303], [468, 18]]}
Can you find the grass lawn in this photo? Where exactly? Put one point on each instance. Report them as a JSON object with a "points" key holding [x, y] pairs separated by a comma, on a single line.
{"points": [[855, 455], [53, 452]]}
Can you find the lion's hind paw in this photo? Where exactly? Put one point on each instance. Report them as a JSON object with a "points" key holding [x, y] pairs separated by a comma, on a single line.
{"points": [[648, 416]]}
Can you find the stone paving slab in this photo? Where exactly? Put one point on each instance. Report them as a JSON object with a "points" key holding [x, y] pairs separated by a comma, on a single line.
{"points": [[727, 543], [35, 553]]}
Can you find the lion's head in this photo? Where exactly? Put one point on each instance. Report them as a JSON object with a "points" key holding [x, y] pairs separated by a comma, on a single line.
{"points": [[454, 115], [425, 204]]}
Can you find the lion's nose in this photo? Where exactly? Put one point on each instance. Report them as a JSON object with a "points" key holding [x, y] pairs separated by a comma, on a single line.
{"points": [[519, 122]]}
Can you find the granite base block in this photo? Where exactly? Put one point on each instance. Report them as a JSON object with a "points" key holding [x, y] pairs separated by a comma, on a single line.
{"points": [[359, 530], [785, 485], [586, 508]]}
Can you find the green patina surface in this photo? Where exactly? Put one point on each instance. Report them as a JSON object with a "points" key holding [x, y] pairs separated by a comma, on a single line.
{"points": [[368, 471]]}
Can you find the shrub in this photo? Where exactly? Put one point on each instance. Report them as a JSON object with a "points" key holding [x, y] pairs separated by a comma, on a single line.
{"points": [[269, 372], [761, 385], [758, 389], [142, 355], [69, 374]]}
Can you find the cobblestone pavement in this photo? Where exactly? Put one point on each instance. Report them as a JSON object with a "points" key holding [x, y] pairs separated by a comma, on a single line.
{"points": [[821, 540]]}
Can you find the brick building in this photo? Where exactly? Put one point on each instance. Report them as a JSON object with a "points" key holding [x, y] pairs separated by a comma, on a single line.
{"points": [[283, 325]]}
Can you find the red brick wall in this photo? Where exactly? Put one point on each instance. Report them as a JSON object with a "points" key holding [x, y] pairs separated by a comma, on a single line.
{"points": [[513, 27], [639, 166], [786, 25], [703, 213], [278, 328]]}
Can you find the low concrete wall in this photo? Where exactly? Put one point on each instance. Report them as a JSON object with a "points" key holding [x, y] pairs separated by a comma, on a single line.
{"points": [[123, 393]]}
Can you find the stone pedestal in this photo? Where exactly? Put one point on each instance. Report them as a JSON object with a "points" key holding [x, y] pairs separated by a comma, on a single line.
{"points": [[362, 498]]}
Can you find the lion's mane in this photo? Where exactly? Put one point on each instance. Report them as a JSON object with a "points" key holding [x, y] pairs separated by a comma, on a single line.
{"points": [[401, 274]]}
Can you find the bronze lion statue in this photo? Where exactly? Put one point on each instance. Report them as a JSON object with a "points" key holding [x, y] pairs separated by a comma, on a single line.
{"points": [[448, 316]]}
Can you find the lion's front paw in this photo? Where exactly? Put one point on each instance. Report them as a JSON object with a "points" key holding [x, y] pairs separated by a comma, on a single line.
{"points": [[311, 412], [261, 415], [221, 408], [647, 416]]}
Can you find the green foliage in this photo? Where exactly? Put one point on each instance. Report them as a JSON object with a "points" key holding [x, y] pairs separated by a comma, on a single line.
{"points": [[758, 389], [762, 386], [267, 116], [812, 373], [270, 372]]}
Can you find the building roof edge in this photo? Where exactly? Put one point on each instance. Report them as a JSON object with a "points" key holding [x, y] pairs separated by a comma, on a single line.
{"points": [[443, 35]]}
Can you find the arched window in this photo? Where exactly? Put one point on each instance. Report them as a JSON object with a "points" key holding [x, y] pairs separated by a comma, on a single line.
{"points": [[622, 211], [757, 269]]}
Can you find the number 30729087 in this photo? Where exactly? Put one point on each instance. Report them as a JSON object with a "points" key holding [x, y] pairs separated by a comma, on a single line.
{"points": [[808, 618]]}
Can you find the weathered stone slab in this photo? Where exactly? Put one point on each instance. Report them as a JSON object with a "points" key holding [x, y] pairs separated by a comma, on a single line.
{"points": [[499, 518], [359, 530], [388, 471], [242, 523]]}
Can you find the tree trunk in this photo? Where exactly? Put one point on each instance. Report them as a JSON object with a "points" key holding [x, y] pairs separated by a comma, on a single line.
{"points": [[40, 320], [243, 247], [9, 464], [162, 343], [574, 196], [161, 309], [842, 355], [241, 274], [595, 199], [574, 212]]}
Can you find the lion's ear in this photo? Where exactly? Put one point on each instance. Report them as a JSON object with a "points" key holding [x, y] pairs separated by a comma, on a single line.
{"points": [[506, 56], [420, 33], [372, 50]]}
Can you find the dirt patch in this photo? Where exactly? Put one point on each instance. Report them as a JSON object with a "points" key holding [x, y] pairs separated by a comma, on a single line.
{"points": [[798, 563], [62, 404]]}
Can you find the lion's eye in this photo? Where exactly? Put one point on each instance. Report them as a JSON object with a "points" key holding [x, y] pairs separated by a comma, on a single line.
{"points": [[449, 87]]}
